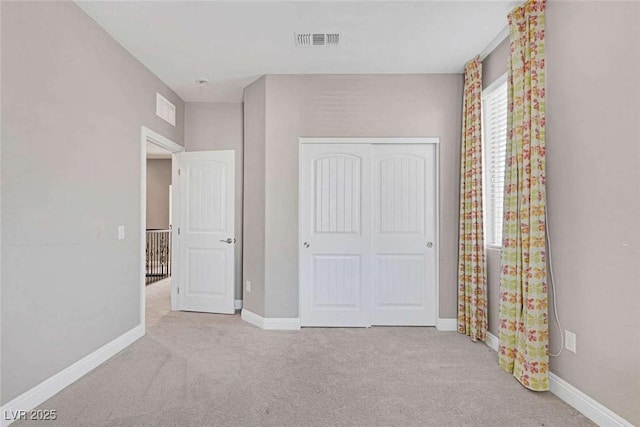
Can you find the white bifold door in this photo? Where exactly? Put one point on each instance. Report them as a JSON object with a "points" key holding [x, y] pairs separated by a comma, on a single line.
{"points": [[204, 230], [368, 229]]}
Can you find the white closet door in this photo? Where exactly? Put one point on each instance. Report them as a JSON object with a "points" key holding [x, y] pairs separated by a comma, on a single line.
{"points": [[403, 235], [335, 235]]}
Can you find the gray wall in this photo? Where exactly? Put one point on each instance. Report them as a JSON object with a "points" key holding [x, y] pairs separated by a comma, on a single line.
{"points": [[218, 126], [352, 106], [495, 65], [254, 196], [158, 182], [73, 101], [593, 196], [593, 182]]}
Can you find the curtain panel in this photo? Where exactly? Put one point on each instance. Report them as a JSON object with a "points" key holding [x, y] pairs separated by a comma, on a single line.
{"points": [[523, 325], [472, 281]]}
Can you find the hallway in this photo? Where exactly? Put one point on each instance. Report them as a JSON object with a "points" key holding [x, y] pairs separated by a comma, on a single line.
{"points": [[158, 301]]}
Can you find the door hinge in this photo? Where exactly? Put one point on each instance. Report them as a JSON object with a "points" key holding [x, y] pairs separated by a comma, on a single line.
{"points": [[178, 290], [178, 172], [178, 231]]}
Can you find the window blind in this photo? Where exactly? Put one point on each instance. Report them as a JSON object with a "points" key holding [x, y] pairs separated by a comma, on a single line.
{"points": [[494, 110]]}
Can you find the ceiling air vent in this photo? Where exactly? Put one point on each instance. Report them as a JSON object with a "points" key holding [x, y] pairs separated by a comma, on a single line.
{"points": [[317, 39]]}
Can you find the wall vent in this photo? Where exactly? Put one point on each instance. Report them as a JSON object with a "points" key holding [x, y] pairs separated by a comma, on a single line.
{"points": [[318, 39], [165, 110]]}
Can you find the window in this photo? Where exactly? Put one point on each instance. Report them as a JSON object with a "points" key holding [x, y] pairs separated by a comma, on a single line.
{"points": [[494, 116]]}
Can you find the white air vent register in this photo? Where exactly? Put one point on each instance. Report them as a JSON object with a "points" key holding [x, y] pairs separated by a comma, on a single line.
{"points": [[165, 110], [317, 39]]}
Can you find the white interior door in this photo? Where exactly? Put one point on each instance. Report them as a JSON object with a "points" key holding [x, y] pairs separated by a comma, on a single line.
{"points": [[205, 231], [403, 235], [335, 235]]}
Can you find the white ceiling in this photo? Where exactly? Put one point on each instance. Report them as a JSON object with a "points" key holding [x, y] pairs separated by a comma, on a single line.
{"points": [[232, 43]]}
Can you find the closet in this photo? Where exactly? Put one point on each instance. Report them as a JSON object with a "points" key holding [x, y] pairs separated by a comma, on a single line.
{"points": [[368, 231]]}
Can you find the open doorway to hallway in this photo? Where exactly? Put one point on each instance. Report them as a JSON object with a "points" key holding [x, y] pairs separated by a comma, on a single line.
{"points": [[157, 234], [158, 247], [187, 239], [159, 221]]}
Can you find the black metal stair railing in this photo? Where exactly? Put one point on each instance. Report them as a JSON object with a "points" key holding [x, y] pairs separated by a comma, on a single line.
{"points": [[158, 255]]}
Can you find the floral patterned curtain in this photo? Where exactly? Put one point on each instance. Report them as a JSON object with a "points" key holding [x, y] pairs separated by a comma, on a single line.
{"points": [[472, 281], [524, 336]]}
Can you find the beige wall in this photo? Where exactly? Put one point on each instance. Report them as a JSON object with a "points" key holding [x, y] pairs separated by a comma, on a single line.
{"points": [[593, 196], [218, 126], [353, 106], [158, 182], [73, 101], [495, 65], [254, 196], [593, 189]]}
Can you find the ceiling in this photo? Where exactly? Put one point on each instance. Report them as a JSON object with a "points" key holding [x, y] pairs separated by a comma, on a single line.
{"points": [[232, 43]]}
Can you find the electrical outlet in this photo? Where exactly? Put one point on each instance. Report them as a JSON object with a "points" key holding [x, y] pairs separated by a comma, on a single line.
{"points": [[248, 286], [121, 233], [570, 341]]}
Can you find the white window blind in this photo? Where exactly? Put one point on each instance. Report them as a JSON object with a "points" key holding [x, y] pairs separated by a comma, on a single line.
{"points": [[494, 113]]}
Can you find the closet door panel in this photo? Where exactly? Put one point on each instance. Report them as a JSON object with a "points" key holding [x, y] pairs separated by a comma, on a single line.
{"points": [[335, 192], [403, 235]]}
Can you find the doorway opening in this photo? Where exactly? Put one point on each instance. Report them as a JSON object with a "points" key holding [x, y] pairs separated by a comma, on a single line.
{"points": [[157, 231], [187, 238]]}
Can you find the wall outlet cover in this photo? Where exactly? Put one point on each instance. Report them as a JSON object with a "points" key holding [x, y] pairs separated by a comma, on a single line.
{"points": [[570, 341]]}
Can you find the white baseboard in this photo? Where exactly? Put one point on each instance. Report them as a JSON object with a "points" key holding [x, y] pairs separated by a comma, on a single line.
{"points": [[492, 341], [49, 387], [282, 324], [251, 317], [447, 325], [589, 407], [238, 304], [271, 323]]}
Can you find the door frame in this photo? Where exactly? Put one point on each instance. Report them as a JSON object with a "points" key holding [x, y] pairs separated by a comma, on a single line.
{"points": [[147, 135], [374, 140]]}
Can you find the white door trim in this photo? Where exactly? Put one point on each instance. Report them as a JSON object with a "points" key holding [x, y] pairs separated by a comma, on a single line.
{"points": [[374, 140], [147, 135]]}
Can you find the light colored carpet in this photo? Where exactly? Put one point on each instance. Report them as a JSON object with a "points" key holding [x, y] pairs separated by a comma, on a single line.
{"points": [[196, 369], [158, 301]]}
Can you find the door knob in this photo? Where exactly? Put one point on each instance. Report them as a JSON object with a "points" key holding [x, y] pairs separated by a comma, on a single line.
{"points": [[429, 244], [229, 240], [306, 244]]}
